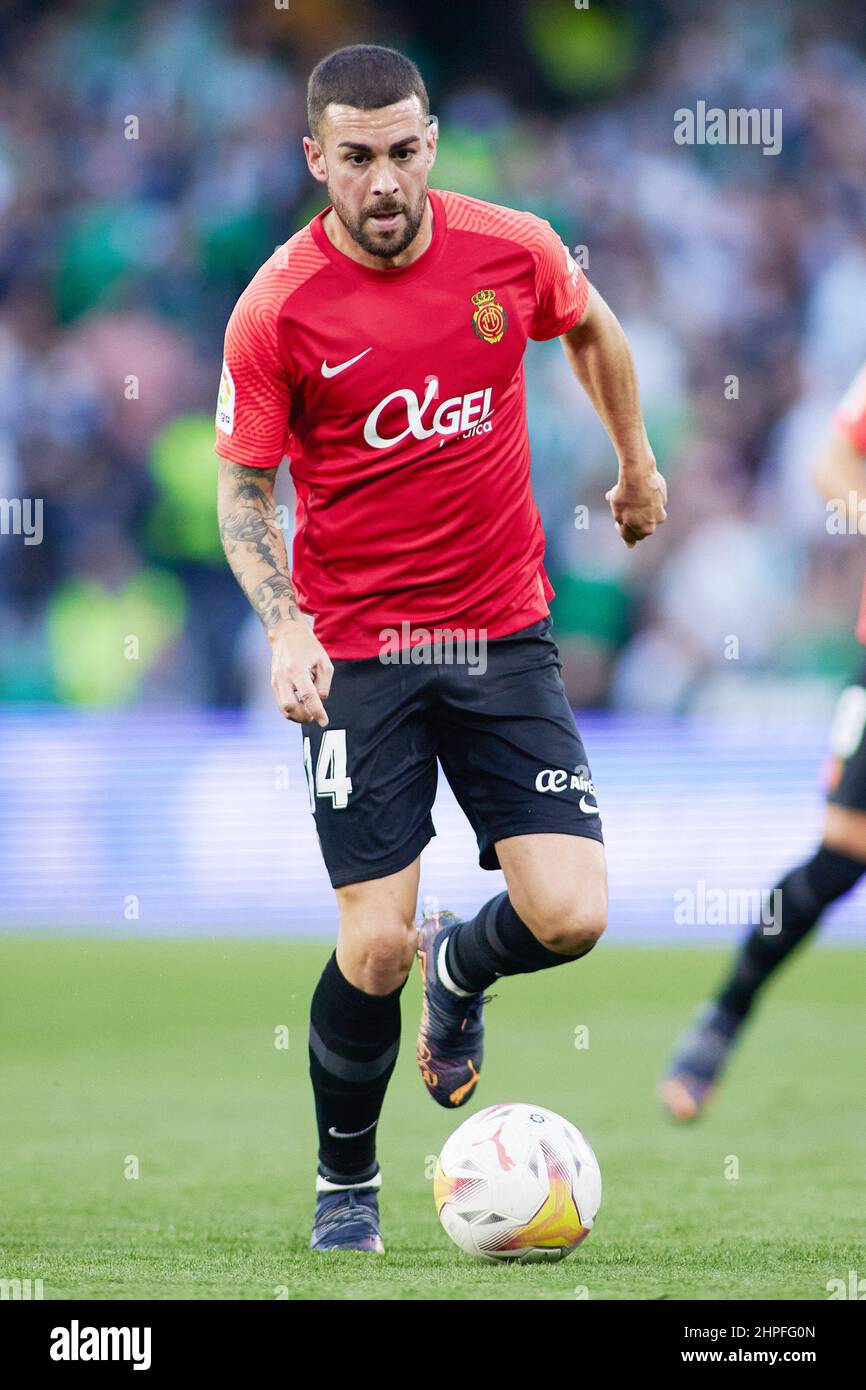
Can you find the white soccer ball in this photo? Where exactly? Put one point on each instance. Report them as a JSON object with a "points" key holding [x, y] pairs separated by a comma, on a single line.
{"points": [[517, 1182]]}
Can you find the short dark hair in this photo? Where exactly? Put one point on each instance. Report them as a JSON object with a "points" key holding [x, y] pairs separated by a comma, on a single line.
{"points": [[366, 76]]}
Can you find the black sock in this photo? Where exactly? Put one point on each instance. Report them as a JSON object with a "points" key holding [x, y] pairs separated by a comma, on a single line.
{"points": [[354, 1040], [802, 896], [495, 943]]}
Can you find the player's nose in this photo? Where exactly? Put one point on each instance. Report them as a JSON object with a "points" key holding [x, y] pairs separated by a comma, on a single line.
{"points": [[384, 183]]}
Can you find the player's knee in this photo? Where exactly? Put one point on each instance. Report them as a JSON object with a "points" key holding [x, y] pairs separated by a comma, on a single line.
{"points": [[379, 953], [569, 923]]}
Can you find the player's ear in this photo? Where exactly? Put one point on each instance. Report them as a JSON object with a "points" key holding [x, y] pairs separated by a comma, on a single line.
{"points": [[432, 138], [315, 159]]}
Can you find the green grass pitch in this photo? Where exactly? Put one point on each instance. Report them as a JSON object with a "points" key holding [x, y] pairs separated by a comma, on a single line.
{"points": [[164, 1052]]}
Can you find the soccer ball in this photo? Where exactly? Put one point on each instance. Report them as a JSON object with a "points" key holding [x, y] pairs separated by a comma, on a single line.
{"points": [[517, 1182]]}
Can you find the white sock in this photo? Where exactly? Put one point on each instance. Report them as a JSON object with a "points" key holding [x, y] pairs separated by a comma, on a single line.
{"points": [[442, 972]]}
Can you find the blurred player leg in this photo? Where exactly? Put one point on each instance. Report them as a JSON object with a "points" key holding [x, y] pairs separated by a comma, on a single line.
{"points": [[800, 897]]}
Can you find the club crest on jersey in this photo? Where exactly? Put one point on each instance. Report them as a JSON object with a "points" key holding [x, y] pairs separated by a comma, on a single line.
{"points": [[489, 319]]}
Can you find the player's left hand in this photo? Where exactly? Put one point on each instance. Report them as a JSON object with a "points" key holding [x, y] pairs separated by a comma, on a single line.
{"points": [[638, 504]]}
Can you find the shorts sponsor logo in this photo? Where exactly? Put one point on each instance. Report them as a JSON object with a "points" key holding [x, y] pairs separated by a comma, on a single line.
{"points": [[556, 779], [467, 414]]}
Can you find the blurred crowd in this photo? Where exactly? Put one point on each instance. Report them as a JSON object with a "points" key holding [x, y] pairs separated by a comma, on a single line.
{"points": [[150, 160]]}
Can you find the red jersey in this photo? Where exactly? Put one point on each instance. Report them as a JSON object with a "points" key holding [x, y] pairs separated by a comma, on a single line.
{"points": [[850, 420], [398, 397]]}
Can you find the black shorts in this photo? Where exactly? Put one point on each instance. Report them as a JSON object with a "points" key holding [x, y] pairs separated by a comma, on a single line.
{"points": [[847, 780], [500, 725]]}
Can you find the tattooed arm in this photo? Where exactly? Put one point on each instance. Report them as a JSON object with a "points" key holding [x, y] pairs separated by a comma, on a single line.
{"points": [[256, 551]]}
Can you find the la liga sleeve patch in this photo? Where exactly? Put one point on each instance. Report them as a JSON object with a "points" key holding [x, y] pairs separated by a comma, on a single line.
{"points": [[225, 411], [561, 287]]}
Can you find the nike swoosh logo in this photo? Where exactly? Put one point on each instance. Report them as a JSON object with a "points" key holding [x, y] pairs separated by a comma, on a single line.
{"points": [[335, 1133], [341, 367], [585, 806]]}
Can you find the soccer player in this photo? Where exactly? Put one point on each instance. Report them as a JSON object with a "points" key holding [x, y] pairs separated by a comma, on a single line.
{"points": [[806, 891], [381, 350]]}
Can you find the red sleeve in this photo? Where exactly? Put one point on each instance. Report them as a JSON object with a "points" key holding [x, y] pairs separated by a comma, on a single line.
{"points": [[561, 288], [253, 404], [850, 418]]}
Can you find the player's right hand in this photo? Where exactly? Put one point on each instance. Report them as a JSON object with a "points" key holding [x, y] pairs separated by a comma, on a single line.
{"points": [[301, 673], [638, 503]]}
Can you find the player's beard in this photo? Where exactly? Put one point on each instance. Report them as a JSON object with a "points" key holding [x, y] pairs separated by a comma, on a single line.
{"points": [[362, 229]]}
